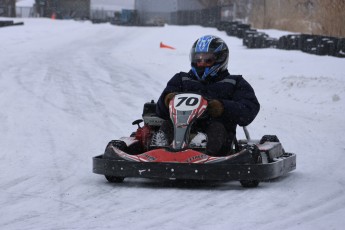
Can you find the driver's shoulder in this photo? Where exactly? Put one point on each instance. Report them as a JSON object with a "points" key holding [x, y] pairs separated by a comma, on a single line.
{"points": [[185, 76], [229, 78]]}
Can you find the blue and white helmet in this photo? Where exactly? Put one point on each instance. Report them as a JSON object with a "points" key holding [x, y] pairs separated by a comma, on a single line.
{"points": [[208, 56]]}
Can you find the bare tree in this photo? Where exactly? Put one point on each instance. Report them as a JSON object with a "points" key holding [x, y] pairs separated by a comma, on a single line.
{"points": [[330, 15], [304, 16]]}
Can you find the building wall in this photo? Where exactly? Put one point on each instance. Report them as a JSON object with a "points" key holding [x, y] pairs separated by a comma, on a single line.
{"points": [[165, 6], [189, 5], [150, 10], [63, 8], [74, 8]]}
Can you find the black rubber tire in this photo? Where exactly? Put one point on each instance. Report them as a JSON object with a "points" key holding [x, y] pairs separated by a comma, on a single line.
{"points": [[257, 160], [270, 138], [109, 154], [249, 183], [114, 179]]}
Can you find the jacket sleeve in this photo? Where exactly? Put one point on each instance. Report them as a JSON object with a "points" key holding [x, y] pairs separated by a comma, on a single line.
{"points": [[174, 85], [244, 106]]}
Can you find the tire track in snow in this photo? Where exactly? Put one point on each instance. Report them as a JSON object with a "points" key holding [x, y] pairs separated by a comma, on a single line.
{"points": [[310, 211]]}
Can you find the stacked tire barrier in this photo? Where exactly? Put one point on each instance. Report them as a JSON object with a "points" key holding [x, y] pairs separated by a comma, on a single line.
{"points": [[255, 39], [10, 23], [313, 44], [251, 37]]}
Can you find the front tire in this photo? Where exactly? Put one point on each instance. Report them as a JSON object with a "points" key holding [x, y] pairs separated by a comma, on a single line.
{"points": [[110, 154], [249, 183]]}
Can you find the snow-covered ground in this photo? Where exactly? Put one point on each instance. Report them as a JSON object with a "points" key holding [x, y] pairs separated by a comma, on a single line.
{"points": [[67, 88]]}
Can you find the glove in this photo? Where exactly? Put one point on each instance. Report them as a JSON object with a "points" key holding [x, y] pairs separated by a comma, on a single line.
{"points": [[168, 98], [215, 108]]}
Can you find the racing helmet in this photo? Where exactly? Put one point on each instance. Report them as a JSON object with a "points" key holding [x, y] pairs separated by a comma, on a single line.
{"points": [[208, 56]]}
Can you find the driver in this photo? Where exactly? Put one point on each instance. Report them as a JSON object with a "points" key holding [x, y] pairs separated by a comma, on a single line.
{"points": [[232, 100]]}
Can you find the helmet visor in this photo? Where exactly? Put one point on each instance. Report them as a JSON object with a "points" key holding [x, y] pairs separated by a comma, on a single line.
{"points": [[203, 59]]}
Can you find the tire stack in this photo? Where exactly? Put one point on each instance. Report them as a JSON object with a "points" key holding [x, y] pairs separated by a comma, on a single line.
{"points": [[10, 23], [251, 37], [229, 27], [313, 44], [289, 42], [240, 30], [6, 23], [327, 46], [237, 29], [255, 39], [340, 51], [248, 39]]}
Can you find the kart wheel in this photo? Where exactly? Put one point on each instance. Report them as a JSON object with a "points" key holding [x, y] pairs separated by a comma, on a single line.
{"points": [[109, 152], [249, 183], [114, 179], [270, 138]]}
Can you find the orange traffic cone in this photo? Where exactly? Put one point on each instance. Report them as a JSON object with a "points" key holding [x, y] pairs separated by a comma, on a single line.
{"points": [[161, 45]]}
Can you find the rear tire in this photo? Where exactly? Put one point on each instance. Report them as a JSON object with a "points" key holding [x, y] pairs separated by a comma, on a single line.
{"points": [[257, 160], [114, 179], [249, 183]]}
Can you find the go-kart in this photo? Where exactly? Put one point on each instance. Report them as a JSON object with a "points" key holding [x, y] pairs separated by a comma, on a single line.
{"points": [[249, 161]]}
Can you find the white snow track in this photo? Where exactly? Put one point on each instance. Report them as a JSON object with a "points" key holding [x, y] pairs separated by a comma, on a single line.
{"points": [[67, 88]]}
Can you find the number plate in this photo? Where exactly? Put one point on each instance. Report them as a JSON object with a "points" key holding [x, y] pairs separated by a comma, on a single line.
{"points": [[187, 102]]}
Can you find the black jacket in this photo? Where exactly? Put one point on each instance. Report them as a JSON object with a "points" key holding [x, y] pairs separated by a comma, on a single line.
{"points": [[238, 97]]}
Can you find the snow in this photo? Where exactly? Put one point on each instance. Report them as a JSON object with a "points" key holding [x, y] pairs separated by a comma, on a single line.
{"points": [[67, 88]]}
